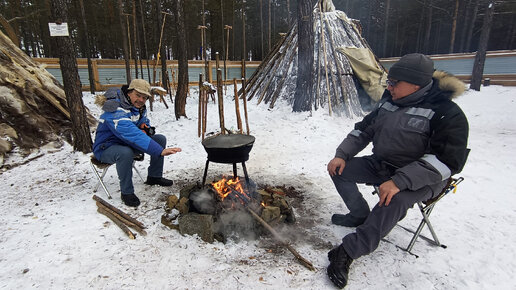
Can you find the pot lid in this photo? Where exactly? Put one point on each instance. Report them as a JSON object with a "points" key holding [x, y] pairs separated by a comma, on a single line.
{"points": [[228, 141]]}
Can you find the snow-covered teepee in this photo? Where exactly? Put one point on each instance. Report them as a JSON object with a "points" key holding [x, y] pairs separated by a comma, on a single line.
{"points": [[347, 78]]}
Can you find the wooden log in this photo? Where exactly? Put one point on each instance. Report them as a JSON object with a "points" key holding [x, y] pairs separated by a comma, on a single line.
{"points": [[237, 107], [122, 219], [271, 77], [119, 212], [282, 80], [265, 62], [337, 64], [121, 225], [280, 239], [270, 65]]}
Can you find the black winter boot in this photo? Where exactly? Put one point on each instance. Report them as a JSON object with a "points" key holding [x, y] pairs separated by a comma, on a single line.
{"points": [[158, 181], [347, 220], [339, 266], [130, 199]]}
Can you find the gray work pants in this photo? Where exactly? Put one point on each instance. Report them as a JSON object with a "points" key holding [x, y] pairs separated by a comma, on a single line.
{"points": [[380, 220]]}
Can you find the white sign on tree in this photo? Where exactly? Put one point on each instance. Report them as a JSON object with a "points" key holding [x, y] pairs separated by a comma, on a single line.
{"points": [[58, 29]]}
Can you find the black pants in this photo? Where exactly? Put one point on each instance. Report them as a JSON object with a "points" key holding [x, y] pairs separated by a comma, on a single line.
{"points": [[380, 220]]}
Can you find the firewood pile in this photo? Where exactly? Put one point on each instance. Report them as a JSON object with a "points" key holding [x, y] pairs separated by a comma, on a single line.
{"points": [[212, 216], [120, 218]]}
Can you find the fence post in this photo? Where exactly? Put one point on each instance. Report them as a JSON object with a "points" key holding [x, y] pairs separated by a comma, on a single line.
{"points": [[95, 70], [210, 74]]}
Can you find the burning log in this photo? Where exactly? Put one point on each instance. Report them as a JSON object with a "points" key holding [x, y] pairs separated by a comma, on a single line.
{"points": [[280, 239], [235, 190]]}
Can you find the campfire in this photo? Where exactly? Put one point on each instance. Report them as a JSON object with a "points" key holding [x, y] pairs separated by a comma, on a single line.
{"points": [[228, 207], [222, 208]]}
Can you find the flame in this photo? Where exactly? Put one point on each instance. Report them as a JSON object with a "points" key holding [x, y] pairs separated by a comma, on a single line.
{"points": [[225, 187]]}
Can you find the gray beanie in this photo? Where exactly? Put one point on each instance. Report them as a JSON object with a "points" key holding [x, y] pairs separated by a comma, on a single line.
{"points": [[414, 68]]}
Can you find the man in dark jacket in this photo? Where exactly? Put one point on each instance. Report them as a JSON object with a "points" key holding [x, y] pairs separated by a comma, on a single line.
{"points": [[124, 131], [419, 140]]}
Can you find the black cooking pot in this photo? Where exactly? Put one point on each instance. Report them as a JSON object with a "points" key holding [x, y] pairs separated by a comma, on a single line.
{"points": [[231, 148]]}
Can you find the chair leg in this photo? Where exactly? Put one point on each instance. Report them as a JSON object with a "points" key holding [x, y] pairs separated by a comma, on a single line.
{"points": [[425, 213], [138, 172], [100, 179]]}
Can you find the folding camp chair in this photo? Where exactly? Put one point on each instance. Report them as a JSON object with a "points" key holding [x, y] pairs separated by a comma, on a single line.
{"points": [[426, 208], [98, 166]]}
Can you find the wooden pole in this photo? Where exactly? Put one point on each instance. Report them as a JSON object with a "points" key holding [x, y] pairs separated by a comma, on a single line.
{"points": [[237, 107], [145, 41], [159, 47], [282, 241], [129, 37], [205, 111], [199, 121], [227, 28], [325, 60], [245, 106], [220, 95], [243, 41]]}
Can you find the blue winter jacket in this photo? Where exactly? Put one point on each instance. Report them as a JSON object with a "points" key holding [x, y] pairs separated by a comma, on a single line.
{"points": [[120, 123]]}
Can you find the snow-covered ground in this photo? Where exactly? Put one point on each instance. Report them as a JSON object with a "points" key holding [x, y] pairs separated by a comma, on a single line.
{"points": [[53, 238]]}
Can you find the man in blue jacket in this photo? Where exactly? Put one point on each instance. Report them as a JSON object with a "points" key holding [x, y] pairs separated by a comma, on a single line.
{"points": [[124, 131], [419, 140]]}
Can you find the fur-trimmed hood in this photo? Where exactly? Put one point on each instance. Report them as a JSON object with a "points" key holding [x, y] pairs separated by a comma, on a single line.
{"points": [[114, 98], [449, 83]]}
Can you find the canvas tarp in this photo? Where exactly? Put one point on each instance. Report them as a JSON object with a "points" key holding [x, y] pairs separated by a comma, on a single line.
{"points": [[365, 68]]}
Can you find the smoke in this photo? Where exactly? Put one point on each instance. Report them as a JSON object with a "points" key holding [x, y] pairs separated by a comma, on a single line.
{"points": [[203, 201], [236, 224]]}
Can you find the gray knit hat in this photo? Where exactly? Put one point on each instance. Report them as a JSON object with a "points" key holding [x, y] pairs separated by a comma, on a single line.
{"points": [[414, 68]]}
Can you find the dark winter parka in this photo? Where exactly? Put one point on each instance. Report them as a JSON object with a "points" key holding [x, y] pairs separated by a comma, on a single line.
{"points": [[120, 124], [423, 135]]}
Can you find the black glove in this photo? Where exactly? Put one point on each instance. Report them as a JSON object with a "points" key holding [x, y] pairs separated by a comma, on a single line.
{"points": [[148, 130]]}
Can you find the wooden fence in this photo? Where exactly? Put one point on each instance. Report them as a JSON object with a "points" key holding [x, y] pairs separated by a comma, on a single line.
{"points": [[111, 72], [499, 69]]}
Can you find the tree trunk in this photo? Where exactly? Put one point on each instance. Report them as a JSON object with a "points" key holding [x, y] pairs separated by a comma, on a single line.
{"points": [[164, 57], [269, 29], [426, 43], [289, 17], [480, 57], [305, 57], [261, 31], [124, 42], [243, 41], [465, 20], [454, 26], [182, 81], [386, 28], [135, 41], [81, 138], [145, 42], [471, 26], [88, 50]]}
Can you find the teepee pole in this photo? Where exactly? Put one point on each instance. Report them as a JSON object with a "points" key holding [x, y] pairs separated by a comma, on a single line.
{"points": [[325, 59]]}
